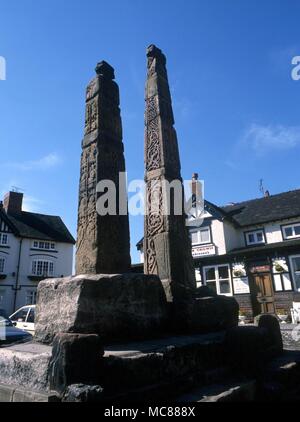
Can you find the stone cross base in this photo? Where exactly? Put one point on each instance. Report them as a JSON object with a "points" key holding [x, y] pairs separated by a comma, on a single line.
{"points": [[116, 307]]}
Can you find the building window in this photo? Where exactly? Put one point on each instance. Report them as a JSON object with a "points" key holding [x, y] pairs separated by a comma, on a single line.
{"points": [[2, 265], [2, 299], [42, 268], [292, 231], [255, 237], [43, 245], [295, 264], [3, 239], [31, 297], [200, 236], [218, 279]]}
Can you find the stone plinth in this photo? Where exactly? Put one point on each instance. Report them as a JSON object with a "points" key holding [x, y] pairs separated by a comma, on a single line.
{"points": [[116, 307]]}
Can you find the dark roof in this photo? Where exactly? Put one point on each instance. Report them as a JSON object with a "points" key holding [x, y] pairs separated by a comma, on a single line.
{"points": [[263, 210], [288, 244], [257, 211], [38, 226]]}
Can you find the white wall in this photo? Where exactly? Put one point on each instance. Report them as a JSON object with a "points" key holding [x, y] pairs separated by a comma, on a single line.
{"points": [[234, 238], [218, 236], [62, 258]]}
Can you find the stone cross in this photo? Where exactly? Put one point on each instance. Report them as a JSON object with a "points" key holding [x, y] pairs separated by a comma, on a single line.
{"points": [[103, 245], [167, 244]]}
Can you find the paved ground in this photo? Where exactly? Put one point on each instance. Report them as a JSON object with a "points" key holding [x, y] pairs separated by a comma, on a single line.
{"points": [[291, 336]]}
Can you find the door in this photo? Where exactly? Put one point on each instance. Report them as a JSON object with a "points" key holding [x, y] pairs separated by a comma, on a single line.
{"points": [[264, 293]]}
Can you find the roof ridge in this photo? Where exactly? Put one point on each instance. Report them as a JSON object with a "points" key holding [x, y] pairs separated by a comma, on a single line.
{"points": [[258, 199], [38, 213]]}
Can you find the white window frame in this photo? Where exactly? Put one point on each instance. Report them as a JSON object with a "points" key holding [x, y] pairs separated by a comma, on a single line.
{"points": [[37, 273], [256, 242], [2, 297], [216, 268], [3, 265], [198, 231], [293, 272], [290, 226], [1, 239], [42, 243], [33, 294]]}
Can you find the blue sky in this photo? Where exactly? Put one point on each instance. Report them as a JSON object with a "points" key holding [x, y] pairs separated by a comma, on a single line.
{"points": [[237, 109]]}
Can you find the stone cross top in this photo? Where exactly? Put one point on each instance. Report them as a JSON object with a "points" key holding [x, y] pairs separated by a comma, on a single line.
{"points": [[166, 242], [102, 240]]}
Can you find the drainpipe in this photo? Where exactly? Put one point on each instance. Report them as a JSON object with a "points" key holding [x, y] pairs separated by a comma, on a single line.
{"points": [[16, 288]]}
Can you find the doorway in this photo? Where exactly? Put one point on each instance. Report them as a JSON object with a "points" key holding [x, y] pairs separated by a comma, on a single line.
{"points": [[263, 294]]}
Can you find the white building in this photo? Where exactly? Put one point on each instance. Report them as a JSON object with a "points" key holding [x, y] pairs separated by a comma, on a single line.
{"points": [[32, 247], [251, 250]]}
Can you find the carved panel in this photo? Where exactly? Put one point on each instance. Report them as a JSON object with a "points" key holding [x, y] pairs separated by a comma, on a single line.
{"points": [[151, 262], [91, 116]]}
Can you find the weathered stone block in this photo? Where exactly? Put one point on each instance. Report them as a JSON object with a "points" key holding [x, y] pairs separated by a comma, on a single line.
{"points": [[247, 349], [271, 324], [81, 393], [213, 313], [25, 366], [113, 306], [76, 358]]}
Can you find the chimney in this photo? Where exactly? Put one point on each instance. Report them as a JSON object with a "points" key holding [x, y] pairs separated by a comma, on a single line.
{"points": [[194, 182], [195, 177], [12, 203]]}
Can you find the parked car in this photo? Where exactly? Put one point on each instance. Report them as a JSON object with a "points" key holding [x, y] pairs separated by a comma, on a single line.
{"points": [[9, 334], [23, 318]]}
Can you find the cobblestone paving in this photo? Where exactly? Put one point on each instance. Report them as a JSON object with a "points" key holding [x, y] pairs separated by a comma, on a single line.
{"points": [[291, 336]]}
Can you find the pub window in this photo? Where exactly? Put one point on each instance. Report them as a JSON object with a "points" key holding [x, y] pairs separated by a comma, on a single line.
{"points": [[2, 265], [291, 231], [3, 239], [282, 282], [218, 279], [255, 237], [295, 264], [200, 236]]}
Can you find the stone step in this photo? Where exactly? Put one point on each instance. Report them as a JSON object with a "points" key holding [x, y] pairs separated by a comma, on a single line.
{"points": [[282, 378], [13, 393], [280, 383], [166, 366], [229, 392]]}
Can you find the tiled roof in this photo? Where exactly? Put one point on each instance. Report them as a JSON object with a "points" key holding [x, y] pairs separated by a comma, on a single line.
{"points": [[263, 210], [38, 226]]}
